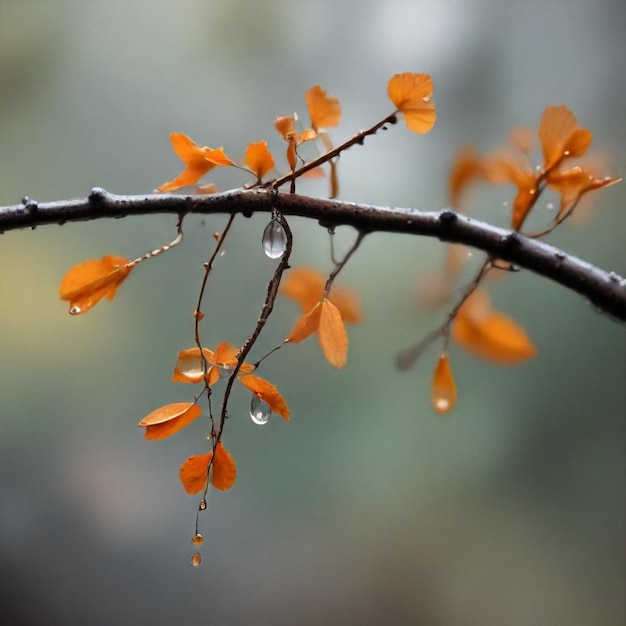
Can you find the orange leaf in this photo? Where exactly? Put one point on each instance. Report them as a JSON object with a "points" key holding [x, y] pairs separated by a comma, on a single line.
{"points": [[285, 126], [304, 285], [198, 161], [572, 184], [85, 284], [224, 471], [490, 335], [412, 95], [267, 392], [332, 334], [561, 136], [348, 304], [194, 472], [443, 394], [168, 419], [466, 169], [259, 159], [305, 325], [324, 112]]}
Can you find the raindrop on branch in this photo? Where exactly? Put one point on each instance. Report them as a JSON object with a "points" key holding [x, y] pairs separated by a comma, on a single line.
{"points": [[274, 240], [260, 411], [196, 559]]}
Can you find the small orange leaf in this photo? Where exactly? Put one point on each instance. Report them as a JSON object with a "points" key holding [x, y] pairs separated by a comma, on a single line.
{"points": [[85, 284], [325, 112], [490, 335], [267, 392], [285, 126], [259, 159], [332, 334], [224, 470], [443, 394], [412, 95], [198, 161], [168, 419], [305, 325], [561, 136], [194, 472]]}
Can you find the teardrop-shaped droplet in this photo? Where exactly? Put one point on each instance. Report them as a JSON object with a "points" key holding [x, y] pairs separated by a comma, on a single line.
{"points": [[444, 388], [274, 240], [260, 411], [202, 505], [75, 310], [197, 539], [196, 559]]}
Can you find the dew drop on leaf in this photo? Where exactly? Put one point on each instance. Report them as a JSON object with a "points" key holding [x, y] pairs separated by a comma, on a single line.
{"points": [[196, 559], [197, 539], [260, 411], [274, 240], [202, 505]]}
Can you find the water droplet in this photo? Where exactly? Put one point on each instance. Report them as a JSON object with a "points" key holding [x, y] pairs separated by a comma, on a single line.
{"points": [[75, 310], [197, 539], [260, 411], [550, 206], [198, 315], [274, 240], [223, 252], [202, 505], [196, 559], [505, 203], [442, 405], [566, 152], [224, 370]]}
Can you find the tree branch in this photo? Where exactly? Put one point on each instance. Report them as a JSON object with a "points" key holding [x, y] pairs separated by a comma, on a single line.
{"points": [[604, 290]]}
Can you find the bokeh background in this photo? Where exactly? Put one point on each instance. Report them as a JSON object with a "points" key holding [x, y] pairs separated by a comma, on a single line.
{"points": [[367, 506]]}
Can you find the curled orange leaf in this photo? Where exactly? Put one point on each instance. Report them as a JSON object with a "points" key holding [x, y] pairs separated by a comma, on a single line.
{"points": [[560, 136], [324, 112], [266, 392], [259, 159], [443, 391], [224, 470], [332, 334], [194, 472], [85, 284], [412, 95], [198, 161], [168, 419], [285, 126], [490, 335]]}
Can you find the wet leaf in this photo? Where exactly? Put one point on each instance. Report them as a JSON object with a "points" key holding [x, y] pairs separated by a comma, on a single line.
{"points": [[266, 392], [169, 419]]}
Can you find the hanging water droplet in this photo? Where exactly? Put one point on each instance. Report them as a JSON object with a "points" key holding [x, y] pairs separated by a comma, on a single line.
{"points": [[225, 370], [202, 505], [260, 411], [196, 559], [75, 310], [197, 539], [274, 240]]}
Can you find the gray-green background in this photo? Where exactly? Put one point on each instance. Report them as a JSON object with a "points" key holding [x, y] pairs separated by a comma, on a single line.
{"points": [[366, 508]]}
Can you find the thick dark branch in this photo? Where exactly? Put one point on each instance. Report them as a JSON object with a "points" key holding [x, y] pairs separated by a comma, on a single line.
{"points": [[604, 290]]}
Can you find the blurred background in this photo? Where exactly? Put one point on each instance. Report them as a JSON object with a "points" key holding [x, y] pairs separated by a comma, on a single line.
{"points": [[367, 506]]}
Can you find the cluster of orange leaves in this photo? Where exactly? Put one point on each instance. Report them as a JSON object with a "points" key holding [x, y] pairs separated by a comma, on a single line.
{"points": [[561, 139], [478, 329], [411, 94]]}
